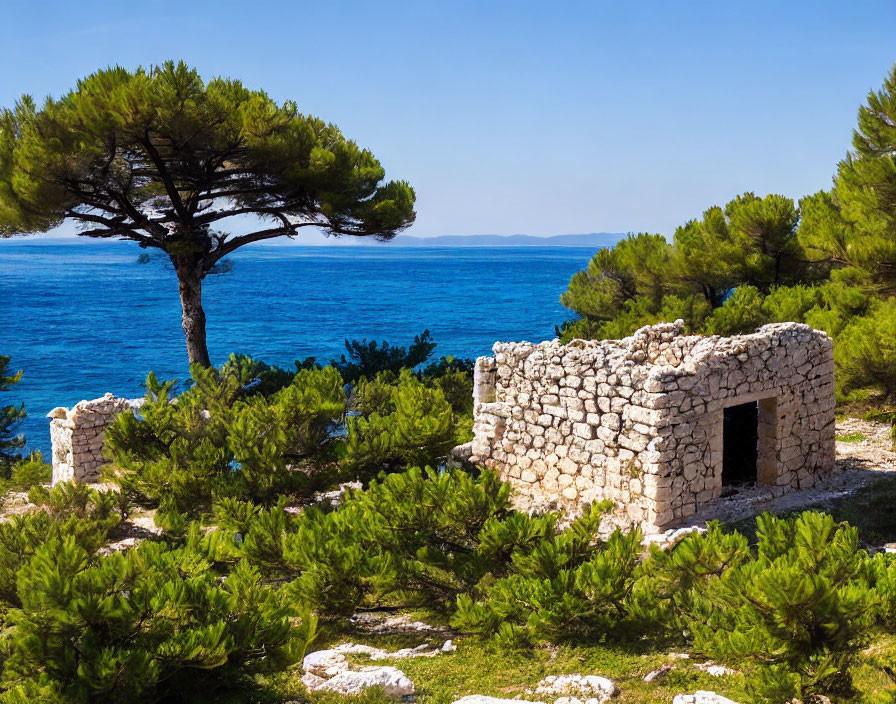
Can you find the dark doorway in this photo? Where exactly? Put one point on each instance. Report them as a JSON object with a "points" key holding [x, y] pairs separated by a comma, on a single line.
{"points": [[740, 438]]}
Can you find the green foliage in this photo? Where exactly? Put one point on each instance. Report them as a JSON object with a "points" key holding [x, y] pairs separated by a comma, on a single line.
{"points": [[454, 378], [368, 359], [417, 537], [123, 143], [398, 425], [795, 611], [569, 586], [728, 259], [866, 351], [855, 225], [216, 440], [10, 417], [72, 500], [28, 471], [68, 511], [741, 312], [673, 583], [150, 624], [435, 532], [636, 267]]}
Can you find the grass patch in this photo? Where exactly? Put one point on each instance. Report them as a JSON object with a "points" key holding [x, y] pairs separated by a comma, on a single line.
{"points": [[852, 437], [484, 667]]}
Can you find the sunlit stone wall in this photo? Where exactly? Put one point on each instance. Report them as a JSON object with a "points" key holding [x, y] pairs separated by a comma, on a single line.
{"points": [[639, 421], [78, 434]]}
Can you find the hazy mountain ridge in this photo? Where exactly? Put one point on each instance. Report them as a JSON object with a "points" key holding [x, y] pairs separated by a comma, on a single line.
{"points": [[593, 239]]}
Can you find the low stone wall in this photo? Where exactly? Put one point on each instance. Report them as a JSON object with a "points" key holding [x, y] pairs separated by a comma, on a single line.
{"points": [[640, 421], [78, 435]]}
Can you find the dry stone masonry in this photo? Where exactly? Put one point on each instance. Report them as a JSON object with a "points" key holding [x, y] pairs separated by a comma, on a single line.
{"points": [[657, 422], [78, 434]]}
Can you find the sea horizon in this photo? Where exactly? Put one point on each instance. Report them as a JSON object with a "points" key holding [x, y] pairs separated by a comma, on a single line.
{"points": [[92, 319]]}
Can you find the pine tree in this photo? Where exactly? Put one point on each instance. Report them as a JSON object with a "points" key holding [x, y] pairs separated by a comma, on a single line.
{"points": [[400, 424], [855, 225], [566, 586], [220, 439], [142, 626], [752, 241], [10, 417], [368, 359], [160, 157]]}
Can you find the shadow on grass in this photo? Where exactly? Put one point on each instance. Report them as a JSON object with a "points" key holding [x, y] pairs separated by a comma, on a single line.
{"points": [[870, 508]]}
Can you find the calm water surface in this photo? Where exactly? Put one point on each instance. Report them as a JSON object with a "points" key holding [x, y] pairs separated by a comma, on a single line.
{"points": [[84, 317]]}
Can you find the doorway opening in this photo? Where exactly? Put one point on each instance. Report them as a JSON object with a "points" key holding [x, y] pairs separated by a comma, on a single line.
{"points": [[740, 444]]}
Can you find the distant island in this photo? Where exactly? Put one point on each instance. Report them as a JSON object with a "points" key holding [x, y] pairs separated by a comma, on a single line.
{"points": [[593, 239]]}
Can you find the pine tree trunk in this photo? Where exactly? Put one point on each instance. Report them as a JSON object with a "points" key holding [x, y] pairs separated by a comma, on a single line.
{"points": [[189, 278]]}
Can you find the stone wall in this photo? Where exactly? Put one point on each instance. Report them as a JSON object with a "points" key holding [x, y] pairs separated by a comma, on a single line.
{"points": [[78, 434], [639, 421]]}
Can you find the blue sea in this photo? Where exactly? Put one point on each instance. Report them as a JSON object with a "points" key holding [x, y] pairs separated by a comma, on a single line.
{"points": [[85, 317]]}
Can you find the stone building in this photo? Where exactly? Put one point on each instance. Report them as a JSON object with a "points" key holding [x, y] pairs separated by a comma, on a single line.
{"points": [[659, 422], [77, 436]]}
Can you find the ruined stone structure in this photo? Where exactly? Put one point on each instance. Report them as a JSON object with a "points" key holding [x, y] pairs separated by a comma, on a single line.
{"points": [[78, 434], [658, 422]]}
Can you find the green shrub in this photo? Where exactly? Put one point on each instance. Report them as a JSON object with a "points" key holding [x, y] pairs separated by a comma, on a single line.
{"points": [[147, 625], [568, 587], [399, 425], [439, 534], [415, 538], [454, 378], [672, 583], [29, 471], [367, 359], [72, 511], [795, 613], [865, 351], [10, 417], [214, 440]]}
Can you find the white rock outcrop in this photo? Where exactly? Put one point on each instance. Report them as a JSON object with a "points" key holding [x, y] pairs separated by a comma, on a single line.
{"points": [[393, 681], [329, 670], [714, 669], [701, 697], [596, 689], [482, 699]]}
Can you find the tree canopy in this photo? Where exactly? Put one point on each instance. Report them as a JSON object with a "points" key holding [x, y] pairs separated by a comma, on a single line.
{"points": [[829, 261], [160, 157]]}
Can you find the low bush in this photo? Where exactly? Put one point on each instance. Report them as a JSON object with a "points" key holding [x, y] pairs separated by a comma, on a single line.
{"points": [[793, 611], [26, 472], [148, 625], [182, 452], [569, 587], [398, 423]]}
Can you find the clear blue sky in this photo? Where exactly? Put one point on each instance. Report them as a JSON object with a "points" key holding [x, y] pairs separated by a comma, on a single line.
{"points": [[507, 117]]}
